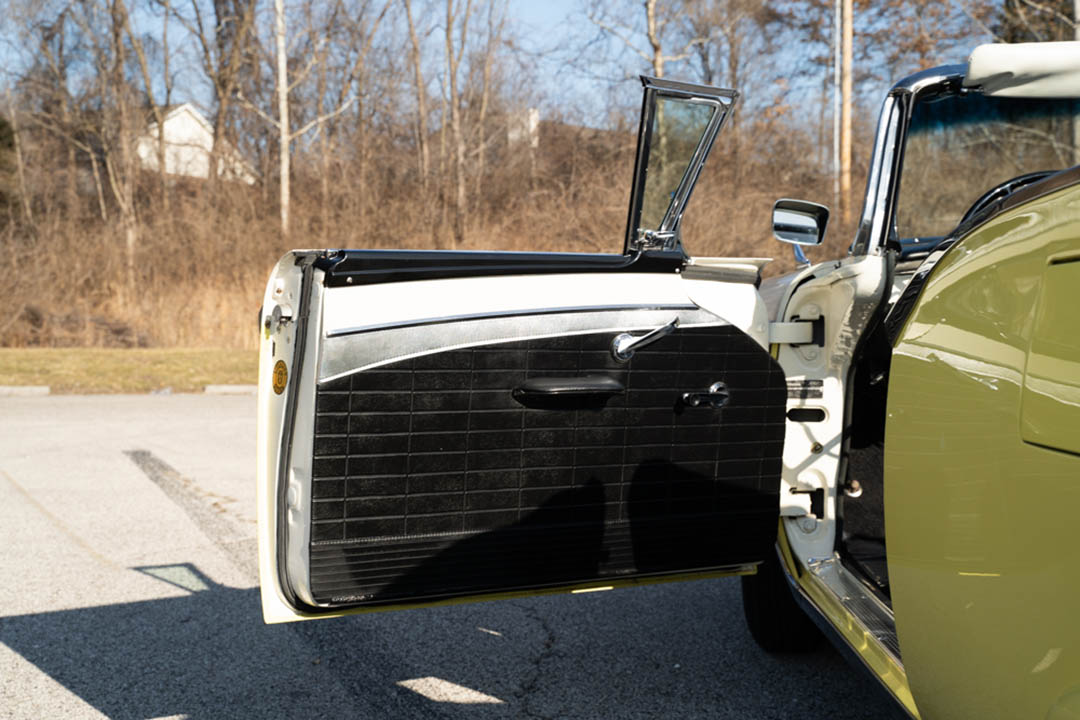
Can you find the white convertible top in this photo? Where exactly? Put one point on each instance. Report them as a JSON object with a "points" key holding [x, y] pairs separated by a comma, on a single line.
{"points": [[1033, 70]]}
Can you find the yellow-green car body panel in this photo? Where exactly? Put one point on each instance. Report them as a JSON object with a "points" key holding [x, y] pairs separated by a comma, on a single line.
{"points": [[982, 475]]}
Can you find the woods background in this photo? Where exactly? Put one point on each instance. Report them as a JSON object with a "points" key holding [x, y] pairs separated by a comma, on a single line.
{"points": [[409, 123]]}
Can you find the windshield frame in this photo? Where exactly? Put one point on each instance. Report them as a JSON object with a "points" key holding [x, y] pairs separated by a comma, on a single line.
{"points": [[876, 223]]}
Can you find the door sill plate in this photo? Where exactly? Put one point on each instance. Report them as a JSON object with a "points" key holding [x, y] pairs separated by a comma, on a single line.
{"points": [[874, 615]]}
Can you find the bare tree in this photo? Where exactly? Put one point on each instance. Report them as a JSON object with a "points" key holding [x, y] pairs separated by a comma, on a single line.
{"points": [[496, 19], [455, 49], [419, 85], [662, 26], [225, 52], [158, 109], [847, 33], [118, 119], [348, 34], [285, 84], [20, 169], [732, 36]]}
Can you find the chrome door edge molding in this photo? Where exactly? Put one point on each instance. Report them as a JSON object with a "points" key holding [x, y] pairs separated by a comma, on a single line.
{"points": [[500, 314], [347, 354]]}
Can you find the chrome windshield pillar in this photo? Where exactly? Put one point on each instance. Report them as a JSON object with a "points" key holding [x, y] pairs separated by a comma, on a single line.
{"points": [[883, 179]]}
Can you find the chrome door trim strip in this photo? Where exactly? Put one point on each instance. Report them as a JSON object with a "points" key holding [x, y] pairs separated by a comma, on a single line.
{"points": [[347, 354], [501, 314]]}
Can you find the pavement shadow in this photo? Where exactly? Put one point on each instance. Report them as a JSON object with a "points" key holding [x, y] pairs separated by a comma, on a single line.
{"points": [[666, 650], [205, 654]]}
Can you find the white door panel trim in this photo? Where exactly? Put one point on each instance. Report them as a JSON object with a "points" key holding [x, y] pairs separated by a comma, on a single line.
{"points": [[346, 354], [353, 309]]}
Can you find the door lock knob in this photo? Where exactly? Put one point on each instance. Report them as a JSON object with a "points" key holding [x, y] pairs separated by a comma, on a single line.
{"points": [[716, 397]]}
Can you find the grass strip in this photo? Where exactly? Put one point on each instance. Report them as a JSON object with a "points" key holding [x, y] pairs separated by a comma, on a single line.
{"points": [[142, 370]]}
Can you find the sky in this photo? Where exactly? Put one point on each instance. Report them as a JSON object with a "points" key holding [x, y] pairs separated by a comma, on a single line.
{"points": [[583, 87], [550, 28], [545, 16]]}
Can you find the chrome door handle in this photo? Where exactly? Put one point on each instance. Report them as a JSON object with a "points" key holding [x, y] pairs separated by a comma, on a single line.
{"points": [[716, 397], [624, 345]]}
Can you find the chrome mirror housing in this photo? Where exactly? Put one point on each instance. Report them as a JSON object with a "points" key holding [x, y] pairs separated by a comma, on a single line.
{"points": [[799, 222]]}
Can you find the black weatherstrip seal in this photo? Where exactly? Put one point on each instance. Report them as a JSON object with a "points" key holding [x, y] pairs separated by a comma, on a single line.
{"points": [[1050, 184], [289, 424], [367, 267]]}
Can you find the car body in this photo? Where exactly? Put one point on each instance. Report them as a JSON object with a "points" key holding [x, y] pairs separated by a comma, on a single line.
{"points": [[439, 426]]}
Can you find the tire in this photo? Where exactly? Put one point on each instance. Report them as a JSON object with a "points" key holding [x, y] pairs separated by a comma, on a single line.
{"points": [[776, 622]]}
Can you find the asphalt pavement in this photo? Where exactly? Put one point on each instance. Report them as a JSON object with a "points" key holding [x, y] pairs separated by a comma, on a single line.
{"points": [[129, 591]]}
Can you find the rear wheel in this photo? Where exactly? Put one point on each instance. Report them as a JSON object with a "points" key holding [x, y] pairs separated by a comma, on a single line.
{"points": [[776, 623]]}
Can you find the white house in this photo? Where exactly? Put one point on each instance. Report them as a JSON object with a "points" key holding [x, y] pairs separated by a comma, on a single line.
{"points": [[189, 142], [523, 127]]}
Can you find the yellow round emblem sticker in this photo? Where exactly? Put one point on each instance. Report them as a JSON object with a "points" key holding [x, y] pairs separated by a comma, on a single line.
{"points": [[281, 376]]}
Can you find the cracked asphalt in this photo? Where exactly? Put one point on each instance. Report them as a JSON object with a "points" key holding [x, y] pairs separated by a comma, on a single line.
{"points": [[129, 591]]}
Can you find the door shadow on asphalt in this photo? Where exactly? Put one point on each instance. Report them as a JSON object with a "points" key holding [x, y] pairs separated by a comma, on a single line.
{"points": [[207, 654]]}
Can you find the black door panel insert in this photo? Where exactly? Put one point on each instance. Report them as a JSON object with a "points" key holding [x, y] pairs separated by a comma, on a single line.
{"points": [[431, 479]]}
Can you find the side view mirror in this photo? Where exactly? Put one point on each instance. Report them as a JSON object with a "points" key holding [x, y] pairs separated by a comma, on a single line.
{"points": [[799, 222]]}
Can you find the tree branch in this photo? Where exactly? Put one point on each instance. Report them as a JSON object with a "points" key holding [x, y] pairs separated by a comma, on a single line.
{"points": [[321, 119], [248, 105], [619, 33]]}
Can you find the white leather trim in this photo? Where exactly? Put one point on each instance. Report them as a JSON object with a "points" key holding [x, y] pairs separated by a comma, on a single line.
{"points": [[1026, 70], [351, 309]]}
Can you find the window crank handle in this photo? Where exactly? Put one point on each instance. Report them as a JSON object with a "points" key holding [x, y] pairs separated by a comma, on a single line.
{"points": [[624, 345]]}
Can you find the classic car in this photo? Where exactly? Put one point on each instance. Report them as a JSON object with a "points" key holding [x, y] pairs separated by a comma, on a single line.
{"points": [[439, 426]]}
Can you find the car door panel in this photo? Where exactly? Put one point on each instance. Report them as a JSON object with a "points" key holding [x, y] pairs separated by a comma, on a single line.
{"points": [[420, 472], [432, 479]]}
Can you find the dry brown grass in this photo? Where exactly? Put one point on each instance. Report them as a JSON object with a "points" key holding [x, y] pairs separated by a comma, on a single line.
{"points": [[139, 370], [203, 262]]}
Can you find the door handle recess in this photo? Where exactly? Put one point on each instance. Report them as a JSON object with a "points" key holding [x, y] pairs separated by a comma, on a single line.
{"points": [[715, 397], [624, 344], [567, 391]]}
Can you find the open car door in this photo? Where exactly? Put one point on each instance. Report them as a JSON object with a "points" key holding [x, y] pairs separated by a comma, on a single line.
{"points": [[441, 425]]}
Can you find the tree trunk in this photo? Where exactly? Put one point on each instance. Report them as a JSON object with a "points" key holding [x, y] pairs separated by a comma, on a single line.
{"points": [[453, 60], [734, 74], [283, 112], [845, 119], [424, 160], [148, 86], [837, 21], [459, 170], [324, 154], [71, 186], [20, 166], [102, 207], [494, 33], [444, 178], [123, 179], [1076, 103], [654, 39]]}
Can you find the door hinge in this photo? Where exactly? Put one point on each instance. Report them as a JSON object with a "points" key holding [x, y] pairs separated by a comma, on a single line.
{"points": [[798, 332]]}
